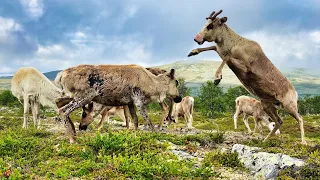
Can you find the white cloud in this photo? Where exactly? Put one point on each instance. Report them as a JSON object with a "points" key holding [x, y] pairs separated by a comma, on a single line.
{"points": [[316, 36], [34, 8], [8, 26], [5, 70], [85, 48], [284, 50], [292, 47]]}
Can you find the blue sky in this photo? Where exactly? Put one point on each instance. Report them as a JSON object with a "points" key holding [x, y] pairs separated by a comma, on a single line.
{"points": [[57, 34]]}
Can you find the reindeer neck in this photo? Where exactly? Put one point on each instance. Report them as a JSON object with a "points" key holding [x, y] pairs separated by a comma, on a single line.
{"points": [[227, 39]]}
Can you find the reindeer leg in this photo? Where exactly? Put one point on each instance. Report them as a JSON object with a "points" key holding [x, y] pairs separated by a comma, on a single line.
{"points": [[144, 114], [270, 109], [36, 114], [292, 108], [139, 98], [169, 117], [133, 115], [199, 50], [235, 118], [255, 124], [104, 116], [245, 120], [26, 107], [65, 111], [126, 115], [218, 75], [163, 114]]}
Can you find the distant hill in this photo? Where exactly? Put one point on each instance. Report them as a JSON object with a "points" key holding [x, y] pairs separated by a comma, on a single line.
{"points": [[50, 75], [198, 72]]}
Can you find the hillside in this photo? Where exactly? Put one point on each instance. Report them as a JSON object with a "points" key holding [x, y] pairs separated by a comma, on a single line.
{"points": [[305, 81], [198, 72]]}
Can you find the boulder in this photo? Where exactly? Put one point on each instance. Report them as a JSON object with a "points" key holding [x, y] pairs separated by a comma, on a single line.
{"points": [[265, 165]]}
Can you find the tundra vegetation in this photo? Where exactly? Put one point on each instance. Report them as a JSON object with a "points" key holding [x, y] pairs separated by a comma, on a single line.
{"points": [[119, 153]]}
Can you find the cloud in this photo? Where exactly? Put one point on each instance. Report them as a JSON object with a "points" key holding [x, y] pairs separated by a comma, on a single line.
{"points": [[34, 8], [87, 48], [62, 33], [290, 50], [14, 41], [7, 28]]}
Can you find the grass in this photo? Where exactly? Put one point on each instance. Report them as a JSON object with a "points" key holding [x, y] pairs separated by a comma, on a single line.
{"points": [[117, 154], [288, 142], [120, 154]]}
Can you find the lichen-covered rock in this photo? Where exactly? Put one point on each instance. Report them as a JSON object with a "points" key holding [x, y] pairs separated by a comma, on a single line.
{"points": [[265, 165]]}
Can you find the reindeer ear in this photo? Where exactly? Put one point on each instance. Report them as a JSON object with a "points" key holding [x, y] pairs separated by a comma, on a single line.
{"points": [[90, 107], [172, 72], [223, 20]]}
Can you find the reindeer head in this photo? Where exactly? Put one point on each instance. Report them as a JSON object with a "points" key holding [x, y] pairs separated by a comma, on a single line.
{"points": [[87, 117], [172, 85], [211, 29], [271, 126]]}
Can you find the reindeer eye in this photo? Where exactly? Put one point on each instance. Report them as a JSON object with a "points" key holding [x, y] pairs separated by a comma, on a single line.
{"points": [[210, 26]]}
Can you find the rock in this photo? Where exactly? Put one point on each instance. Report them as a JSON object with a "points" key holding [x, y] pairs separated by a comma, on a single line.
{"points": [[265, 165], [182, 154], [3, 109]]}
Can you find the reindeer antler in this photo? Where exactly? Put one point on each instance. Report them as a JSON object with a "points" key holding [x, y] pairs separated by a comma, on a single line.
{"points": [[213, 15], [210, 15]]}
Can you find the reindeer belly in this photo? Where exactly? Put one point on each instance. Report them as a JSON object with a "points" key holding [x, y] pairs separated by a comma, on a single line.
{"points": [[114, 94], [258, 80], [113, 100]]}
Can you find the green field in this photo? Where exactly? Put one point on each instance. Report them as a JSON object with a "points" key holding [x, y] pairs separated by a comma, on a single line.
{"points": [[116, 153]]}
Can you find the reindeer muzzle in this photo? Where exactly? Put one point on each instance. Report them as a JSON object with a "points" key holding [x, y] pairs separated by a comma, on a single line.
{"points": [[83, 127], [177, 99], [198, 39]]}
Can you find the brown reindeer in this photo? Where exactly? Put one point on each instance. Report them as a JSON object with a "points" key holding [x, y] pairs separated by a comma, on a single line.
{"points": [[252, 67], [114, 85], [93, 109]]}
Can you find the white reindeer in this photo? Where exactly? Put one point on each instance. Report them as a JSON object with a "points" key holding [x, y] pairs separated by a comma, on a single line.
{"points": [[32, 88]]}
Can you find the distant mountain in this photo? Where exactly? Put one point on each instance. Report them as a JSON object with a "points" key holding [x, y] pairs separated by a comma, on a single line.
{"points": [[50, 75], [198, 72]]}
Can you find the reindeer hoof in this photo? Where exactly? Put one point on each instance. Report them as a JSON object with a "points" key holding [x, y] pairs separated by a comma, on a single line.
{"points": [[73, 140], [192, 53], [216, 81], [304, 142]]}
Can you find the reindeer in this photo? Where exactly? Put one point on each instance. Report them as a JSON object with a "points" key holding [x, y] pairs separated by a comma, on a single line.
{"points": [[184, 109], [32, 88], [92, 110], [114, 85], [253, 68], [249, 106]]}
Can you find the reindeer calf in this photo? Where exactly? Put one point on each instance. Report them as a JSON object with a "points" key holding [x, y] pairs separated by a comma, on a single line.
{"points": [[249, 106]]}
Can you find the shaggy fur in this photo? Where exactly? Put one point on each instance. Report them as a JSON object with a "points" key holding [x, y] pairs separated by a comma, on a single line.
{"points": [[114, 85], [88, 114], [249, 106], [253, 68], [32, 88]]}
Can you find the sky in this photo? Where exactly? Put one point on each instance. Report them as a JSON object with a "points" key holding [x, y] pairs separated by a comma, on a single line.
{"points": [[57, 34]]}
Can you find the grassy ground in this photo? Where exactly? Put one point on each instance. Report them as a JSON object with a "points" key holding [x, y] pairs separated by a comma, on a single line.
{"points": [[119, 154], [5, 84]]}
